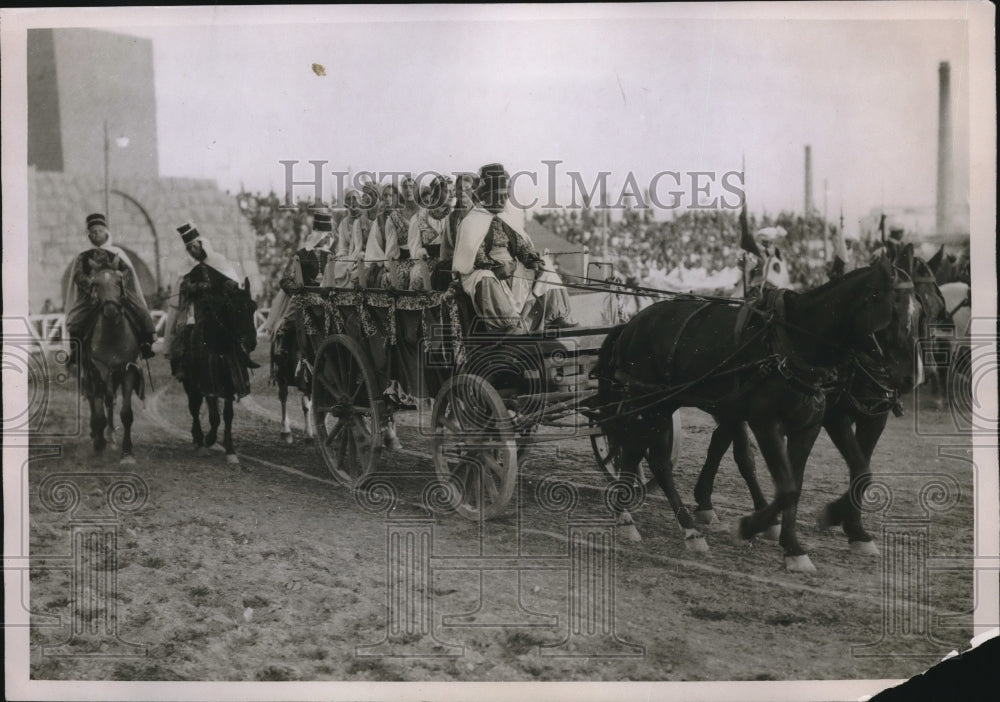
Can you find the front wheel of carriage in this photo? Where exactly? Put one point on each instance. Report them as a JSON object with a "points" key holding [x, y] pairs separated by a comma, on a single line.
{"points": [[474, 446], [609, 460], [346, 410]]}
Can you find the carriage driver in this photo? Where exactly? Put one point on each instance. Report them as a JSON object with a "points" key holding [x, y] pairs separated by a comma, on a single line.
{"points": [[217, 276], [512, 287], [81, 310]]}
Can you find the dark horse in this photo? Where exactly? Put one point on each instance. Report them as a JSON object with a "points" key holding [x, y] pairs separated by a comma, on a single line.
{"points": [[214, 362], [766, 366], [857, 406], [109, 363]]}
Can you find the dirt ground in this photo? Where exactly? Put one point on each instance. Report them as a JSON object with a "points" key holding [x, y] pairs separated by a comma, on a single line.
{"points": [[270, 571]]}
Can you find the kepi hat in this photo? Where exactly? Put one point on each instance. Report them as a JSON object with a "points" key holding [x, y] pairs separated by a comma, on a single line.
{"points": [[96, 219], [322, 222], [188, 233]]}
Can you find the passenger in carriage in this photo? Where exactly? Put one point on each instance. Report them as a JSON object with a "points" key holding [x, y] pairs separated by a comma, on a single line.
{"points": [[371, 199], [465, 184], [341, 268], [429, 228], [388, 249], [511, 287], [408, 198]]}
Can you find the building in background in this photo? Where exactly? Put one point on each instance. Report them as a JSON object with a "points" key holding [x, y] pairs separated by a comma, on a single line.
{"points": [[91, 107]]}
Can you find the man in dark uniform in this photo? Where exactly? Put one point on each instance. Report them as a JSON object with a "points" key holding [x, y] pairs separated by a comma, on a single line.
{"points": [[210, 274], [81, 310]]}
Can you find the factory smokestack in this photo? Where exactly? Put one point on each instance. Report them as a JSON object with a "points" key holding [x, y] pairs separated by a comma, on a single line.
{"points": [[944, 163], [809, 181]]}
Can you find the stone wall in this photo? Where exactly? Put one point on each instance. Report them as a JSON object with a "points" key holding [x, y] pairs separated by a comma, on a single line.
{"points": [[144, 216]]}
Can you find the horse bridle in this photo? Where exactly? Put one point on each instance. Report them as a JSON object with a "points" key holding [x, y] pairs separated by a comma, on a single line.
{"points": [[115, 303], [875, 369]]}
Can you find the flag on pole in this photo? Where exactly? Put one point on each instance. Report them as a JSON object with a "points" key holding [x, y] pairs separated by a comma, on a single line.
{"points": [[747, 242]]}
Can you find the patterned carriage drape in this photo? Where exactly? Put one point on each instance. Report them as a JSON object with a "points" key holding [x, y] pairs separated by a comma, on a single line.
{"points": [[414, 339]]}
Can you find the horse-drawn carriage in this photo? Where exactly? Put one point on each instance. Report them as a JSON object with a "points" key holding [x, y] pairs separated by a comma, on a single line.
{"points": [[375, 353]]}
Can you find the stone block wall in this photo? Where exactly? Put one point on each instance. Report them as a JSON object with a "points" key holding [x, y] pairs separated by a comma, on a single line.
{"points": [[143, 218]]}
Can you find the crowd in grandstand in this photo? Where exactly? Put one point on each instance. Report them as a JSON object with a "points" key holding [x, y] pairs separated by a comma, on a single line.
{"points": [[700, 243]]}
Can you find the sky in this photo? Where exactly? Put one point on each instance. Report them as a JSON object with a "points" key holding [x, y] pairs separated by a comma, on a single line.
{"points": [[639, 95]]}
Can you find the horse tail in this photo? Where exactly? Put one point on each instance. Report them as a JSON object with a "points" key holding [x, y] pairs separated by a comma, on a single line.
{"points": [[604, 372], [605, 356]]}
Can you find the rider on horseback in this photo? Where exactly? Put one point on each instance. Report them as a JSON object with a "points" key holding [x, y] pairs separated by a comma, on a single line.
{"points": [[305, 269], [80, 306], [210, 273]]}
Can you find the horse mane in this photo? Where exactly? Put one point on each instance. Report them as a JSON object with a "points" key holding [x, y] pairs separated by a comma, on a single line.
{"points": [[834, 284]]}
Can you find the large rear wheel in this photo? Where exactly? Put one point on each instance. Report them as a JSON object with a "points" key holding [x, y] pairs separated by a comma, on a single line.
{"points": [[346, 410]]}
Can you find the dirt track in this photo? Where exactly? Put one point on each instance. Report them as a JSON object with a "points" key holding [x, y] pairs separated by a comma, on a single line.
{"points": [[277, 573]]}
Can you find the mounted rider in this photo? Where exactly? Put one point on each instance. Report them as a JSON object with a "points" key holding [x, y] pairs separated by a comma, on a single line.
{"points": [[305, 269], [80, 308], [208, 273]]}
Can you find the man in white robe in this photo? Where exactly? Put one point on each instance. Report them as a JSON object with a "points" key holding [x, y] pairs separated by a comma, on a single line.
{"points": [[80, 309], [512, 287]]}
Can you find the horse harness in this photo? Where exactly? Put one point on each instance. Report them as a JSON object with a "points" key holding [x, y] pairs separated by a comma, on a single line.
{"points": [[782, 358]]}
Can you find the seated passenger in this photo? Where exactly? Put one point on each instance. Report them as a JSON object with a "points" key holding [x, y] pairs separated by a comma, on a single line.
{"points": [[430, 227], [341, 268], [370, 204], [387, 251]]}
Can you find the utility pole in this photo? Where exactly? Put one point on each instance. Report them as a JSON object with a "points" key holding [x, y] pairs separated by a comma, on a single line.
{"points": [[107, 214], [826, 247]]}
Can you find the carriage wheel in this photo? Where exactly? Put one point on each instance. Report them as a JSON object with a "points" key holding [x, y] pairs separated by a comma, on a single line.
{"points": [[474, 446], [609, 463], [346, 410]]}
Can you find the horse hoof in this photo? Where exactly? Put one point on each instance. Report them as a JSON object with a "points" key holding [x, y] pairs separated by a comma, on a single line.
{"points": [[706, 516], [694, 541], [286, 436], [391, 442], [630, 532], [232, 458], [864, 548], [127, 461], [744, 529], [799, 564], [203, 451], [772, 532]]}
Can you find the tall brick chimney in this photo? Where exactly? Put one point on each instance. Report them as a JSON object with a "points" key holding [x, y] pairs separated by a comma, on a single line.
{"points": [[944, 160], [809, 181]]}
